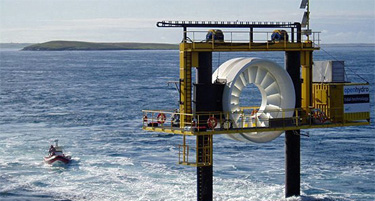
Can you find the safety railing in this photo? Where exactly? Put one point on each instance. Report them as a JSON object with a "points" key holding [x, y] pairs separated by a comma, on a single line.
{"points": [[248, 119], [188, 155], [252, 38], [165, 119], [245, 118], [183, 154]]}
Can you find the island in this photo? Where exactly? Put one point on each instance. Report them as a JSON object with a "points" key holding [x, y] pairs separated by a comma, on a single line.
{"points": [[79, 45]]}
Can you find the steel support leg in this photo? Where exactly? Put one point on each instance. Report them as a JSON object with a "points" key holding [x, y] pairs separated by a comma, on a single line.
{"points": [[204, 174], [204, 183], [292, 138], [292, 163], [203, 103]]}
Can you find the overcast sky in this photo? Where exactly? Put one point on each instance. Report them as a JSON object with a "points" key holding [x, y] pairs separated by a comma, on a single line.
{"points": [[340, 21]]}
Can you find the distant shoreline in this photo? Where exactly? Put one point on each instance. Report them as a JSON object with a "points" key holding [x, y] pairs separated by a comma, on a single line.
{"points": [[348, 44], [14, 45], [91, 46], [97, 46]]}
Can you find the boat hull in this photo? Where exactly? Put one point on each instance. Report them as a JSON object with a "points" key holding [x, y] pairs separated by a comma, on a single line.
{"points": [[57, 160]]}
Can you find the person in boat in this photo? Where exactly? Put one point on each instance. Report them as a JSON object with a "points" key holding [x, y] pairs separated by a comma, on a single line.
{"points": [[52, 150]]}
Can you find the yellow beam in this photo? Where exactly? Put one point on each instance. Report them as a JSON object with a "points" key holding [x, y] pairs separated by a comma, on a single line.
{"points": [[185, 87], [168, 130], [194, 164], [249, 130], [306, 64], [280, 128], [246, 47]]}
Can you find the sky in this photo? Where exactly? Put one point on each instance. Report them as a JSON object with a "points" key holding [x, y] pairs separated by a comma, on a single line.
{"points": [[35, 21]]}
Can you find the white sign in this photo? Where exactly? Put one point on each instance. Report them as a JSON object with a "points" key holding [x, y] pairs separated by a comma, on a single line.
{"points": [[356, 89], [356, 98]]}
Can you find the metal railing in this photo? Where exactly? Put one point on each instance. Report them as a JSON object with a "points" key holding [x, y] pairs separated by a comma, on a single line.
{"points": [[183, 154], [252, 37], [246, 118]]}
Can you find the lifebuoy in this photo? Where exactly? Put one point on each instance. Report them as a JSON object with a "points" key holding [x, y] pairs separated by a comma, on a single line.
{"points": [[212, 122], [161, 118]]}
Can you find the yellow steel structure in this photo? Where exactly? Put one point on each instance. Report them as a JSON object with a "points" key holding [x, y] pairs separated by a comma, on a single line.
{"points": [[285, 124], [212, 46], [185, 84], [189, 59], [310, 99], [306, 64], [328, 97], [203, 159]]}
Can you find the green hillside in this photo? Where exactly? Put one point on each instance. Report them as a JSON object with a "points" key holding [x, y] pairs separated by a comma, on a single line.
{"points": [[78, 45]]}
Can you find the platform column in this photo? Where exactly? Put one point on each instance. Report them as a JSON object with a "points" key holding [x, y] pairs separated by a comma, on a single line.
{"points": [[292, 138], [203, 103], [204, 173], [306, 64]]}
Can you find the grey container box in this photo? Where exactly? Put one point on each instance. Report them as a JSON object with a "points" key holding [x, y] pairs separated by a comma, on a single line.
{"points": [[328, 71]]}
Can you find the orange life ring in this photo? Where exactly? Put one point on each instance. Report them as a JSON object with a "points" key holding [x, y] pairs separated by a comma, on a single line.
{"points": [[161, 118], [212, 122], [254, 112]]}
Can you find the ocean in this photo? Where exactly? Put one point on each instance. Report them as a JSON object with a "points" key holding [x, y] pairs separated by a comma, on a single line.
{"points": [[92, 101]]}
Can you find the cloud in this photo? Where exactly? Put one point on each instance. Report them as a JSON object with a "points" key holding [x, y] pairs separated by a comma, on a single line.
{"points": [[98, 29], [98, 23], [95, 30], [340, 15]]}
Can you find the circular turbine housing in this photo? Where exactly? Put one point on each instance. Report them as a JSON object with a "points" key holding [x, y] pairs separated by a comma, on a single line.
{"points": [[275, 86]]}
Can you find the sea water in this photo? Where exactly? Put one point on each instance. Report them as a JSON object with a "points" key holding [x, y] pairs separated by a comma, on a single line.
{"points": [[92, 101]]}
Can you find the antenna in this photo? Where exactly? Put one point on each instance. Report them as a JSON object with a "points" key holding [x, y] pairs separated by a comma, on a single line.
{"points": [[305, 4], [305, 20]]}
